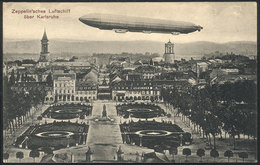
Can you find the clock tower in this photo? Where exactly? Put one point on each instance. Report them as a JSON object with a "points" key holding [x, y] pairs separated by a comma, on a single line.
{"points": [[169, 55], [44, 56]]}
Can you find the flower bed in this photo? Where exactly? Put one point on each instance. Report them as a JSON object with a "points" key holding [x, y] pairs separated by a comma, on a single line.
{"points": [[68, 111], [154, 134], [140, 110], [54, 135]]}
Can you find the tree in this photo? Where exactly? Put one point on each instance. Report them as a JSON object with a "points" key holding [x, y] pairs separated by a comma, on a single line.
{"points": [[12, 78], [243, 155], [228, 154], [34, 154], [232, 119], [19, 155], [214, 153], [186, 152], [17, 77], [173, 151], [26, 77], [49, 79], [201, 153], [47, 150], [22, 78], [6, 156]]}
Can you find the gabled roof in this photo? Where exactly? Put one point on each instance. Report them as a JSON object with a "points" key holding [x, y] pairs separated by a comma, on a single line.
{"points": [[117, 79]]}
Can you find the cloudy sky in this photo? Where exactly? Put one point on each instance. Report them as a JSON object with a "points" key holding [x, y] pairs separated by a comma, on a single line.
{"points": [[221, 21]]}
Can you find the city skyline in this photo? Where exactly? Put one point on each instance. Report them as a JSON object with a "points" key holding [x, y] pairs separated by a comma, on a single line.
{"points": [[223, 22], [115, 100]]}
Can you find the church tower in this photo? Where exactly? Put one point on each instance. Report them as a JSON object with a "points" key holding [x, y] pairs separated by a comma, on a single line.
{"points": [[169, 55], [44, 56]]}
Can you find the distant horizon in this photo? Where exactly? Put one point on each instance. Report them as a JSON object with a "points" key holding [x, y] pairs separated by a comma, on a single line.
{"points": [[78, 40]]}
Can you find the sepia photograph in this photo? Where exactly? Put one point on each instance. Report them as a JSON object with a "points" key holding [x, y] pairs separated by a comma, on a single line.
{"points": [[129, 82]]}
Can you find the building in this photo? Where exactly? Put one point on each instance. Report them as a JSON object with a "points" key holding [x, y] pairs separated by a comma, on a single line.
{"points": [[147, 72], [86, 86], [45, 55], [169, 55], [135, 90], [69, 87], [64, 85], [199, 67]]}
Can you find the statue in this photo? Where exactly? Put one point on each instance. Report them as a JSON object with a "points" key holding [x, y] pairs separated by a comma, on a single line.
{"points": [[104, 113]]}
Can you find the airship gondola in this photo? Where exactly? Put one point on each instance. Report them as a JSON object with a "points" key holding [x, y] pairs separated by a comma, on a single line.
{"points": [[123, 24]]}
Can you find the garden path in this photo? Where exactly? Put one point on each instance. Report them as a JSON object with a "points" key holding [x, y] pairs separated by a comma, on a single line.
{"points": [[104, 138]]}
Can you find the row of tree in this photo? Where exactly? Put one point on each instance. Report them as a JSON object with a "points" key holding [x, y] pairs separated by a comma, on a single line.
{"points": [[17, 105], [186, 151], [33, 154], [213, 153], [212, 109]]}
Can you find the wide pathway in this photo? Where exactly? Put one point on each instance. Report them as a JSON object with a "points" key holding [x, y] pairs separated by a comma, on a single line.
{"points": [[104, 137]]}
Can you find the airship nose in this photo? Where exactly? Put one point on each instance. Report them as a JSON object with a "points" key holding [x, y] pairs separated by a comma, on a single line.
{"points": [[81, 19], [90, 17]]}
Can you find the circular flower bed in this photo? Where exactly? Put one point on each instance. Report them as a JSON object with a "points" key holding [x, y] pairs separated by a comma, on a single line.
{"points": [[153, 133], [55, 134], [140, 110], [67, 111]]}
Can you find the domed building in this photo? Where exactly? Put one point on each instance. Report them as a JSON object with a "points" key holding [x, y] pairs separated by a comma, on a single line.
{"points": [[86, 86]]}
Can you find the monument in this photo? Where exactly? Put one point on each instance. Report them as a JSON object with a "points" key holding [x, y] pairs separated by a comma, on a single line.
{"points": [[104, 112]]}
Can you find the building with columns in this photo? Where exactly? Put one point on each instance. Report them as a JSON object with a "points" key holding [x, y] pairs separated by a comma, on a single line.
{"points": [[70, 88], [136, 90], [64, 85], [169, 55]]}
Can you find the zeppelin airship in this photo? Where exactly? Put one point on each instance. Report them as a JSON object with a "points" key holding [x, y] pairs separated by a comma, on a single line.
{"points": [[123, 24]]}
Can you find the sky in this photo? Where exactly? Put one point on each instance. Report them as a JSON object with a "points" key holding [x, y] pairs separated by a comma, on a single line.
{"points": [[221, 21]]}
